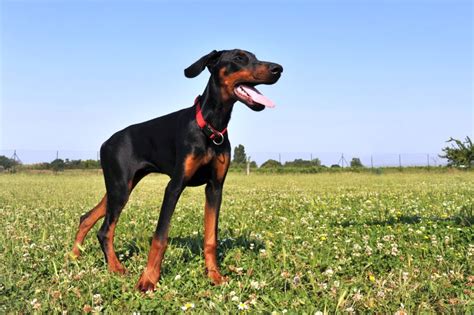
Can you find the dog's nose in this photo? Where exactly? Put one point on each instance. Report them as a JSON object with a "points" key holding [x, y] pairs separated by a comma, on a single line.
{"points": [[276, 68]]}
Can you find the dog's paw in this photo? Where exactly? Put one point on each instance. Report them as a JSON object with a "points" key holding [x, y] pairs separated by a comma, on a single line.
{"points": [[217, 278], [146, 284], [76, 251]]}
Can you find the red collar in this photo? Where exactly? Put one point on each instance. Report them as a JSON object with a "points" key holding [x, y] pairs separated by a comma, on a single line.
{"points": [[216, 136]]}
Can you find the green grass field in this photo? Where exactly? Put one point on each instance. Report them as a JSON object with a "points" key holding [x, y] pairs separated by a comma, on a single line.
{"points": [[289, 243]]}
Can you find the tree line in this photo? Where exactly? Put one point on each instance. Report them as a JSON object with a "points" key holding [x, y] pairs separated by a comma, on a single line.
{"points": [[458, 154], [56, 165], [240, 161]]}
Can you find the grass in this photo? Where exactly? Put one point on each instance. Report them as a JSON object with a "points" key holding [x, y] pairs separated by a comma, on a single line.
{"points": [[289, 243]]}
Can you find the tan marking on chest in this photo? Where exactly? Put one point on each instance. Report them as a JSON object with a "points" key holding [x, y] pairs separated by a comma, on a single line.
{"points": [[193, 162]]}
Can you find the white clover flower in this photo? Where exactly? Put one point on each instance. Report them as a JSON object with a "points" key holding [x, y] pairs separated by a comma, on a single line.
{"points": [[405, 276], [177, 277], [242, 306], [394, 251], [254, 284], [357, 296], [329, 272], [97, 299]]}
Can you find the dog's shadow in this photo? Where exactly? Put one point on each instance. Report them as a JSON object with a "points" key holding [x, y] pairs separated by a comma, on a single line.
{"points": [[193, 246]]}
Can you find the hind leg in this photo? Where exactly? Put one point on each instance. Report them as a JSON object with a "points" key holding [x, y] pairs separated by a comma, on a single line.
{"points": [[118, 191], [87, 221]]}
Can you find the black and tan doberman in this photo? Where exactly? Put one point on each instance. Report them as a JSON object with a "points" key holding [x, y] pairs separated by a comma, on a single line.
{"points": [[191, 146]]}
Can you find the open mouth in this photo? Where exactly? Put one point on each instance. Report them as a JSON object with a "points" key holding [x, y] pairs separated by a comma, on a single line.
{"points": [[251, 96]]}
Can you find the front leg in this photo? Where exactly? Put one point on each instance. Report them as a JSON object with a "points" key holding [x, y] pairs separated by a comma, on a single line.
{"points": [[151, 275], [211, 217]]}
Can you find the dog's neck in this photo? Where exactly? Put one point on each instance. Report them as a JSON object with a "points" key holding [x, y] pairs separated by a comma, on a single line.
{"points": [[215, 109]]}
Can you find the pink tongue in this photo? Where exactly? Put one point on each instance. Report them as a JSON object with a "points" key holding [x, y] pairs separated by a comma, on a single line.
{"points": [[257, 97]]}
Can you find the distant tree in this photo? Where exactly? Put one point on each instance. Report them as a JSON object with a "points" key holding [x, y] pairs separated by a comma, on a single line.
{"points": [[90, 164], [80, 164], [72, 164], [304, 163], [270, 164], [57, 165], [459, 153], [316, 162], [239, 155], [355, 162], [335, 166], [7, 163]]}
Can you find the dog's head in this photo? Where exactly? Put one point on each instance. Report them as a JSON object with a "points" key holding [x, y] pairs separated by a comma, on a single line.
{"points": [[237, 73]]}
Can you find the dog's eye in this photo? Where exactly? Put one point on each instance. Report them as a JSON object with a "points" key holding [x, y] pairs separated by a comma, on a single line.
{"points": [[240, 58]]}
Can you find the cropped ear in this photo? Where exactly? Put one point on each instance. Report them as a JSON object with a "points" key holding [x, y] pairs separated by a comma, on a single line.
{"points": [[196, 68]]}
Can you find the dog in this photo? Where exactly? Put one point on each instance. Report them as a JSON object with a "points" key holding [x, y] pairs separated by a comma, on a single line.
{"points": [[191, 146]]}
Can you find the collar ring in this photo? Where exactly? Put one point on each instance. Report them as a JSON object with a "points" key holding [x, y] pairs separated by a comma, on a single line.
{"points": [[220, 136]]}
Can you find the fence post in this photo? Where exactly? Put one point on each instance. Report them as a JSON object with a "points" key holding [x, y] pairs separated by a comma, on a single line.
{"points": [[248, 165]]}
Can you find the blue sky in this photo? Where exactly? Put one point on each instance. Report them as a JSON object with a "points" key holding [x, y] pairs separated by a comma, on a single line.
{"points": [[360, 76]]}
